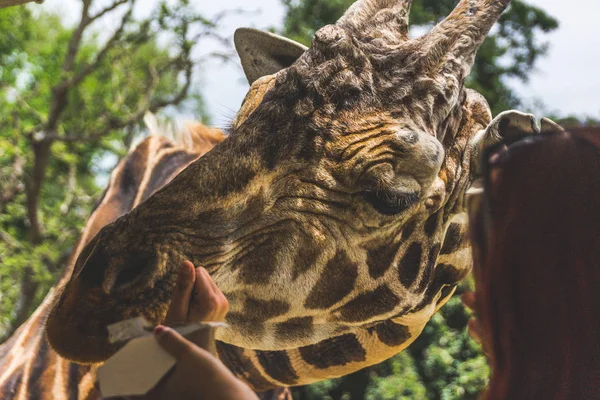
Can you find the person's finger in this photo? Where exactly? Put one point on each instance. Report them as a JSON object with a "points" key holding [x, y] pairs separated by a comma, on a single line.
{"points": [[175, 344], [182, 294], [179, 347], [203, 304], [221, 305]]}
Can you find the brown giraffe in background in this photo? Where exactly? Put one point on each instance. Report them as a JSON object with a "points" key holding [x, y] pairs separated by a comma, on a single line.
{"points": [[333, 215], [29, 368]]}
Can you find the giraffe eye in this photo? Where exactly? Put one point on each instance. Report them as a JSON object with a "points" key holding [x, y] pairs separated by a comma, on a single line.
{"points": [[390, 202]]}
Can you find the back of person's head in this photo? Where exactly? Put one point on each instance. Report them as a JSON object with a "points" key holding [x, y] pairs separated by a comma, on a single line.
{"points": [[538, 282]]}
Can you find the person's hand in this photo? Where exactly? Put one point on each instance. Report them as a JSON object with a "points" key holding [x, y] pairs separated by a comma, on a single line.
{"points": [[197, 374], [195, 298]]}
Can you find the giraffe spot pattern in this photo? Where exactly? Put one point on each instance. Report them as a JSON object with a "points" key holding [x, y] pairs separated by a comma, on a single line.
{"points": [[260, 310], [410, 264], [255, 205], [307, 255], [257, 266], [278, 365], [391, 333], [429, 268], [449, 274], [446, 291], [11, 385], [213, 217], [240, 365], [75, 375], [453, 239], [409, 229], [381, 259], [335, 283], [444, 275], [34, 383], [370, 304], [130, 177], [294, 328], [431, 224], [334, 352], [250, 328], [165, 168], [243, 172], [265, 309], [92, 274]]}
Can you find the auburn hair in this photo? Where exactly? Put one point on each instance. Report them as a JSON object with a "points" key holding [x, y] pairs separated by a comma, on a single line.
{"points": [[538, 276]]}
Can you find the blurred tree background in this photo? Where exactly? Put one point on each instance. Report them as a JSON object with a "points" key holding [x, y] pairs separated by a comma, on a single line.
{"points": [[73, 96]]}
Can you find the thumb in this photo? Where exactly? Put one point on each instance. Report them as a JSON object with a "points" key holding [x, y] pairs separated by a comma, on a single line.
{"points": [[175, 344]]}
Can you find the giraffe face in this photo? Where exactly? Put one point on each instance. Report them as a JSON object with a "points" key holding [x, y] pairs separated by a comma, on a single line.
{"points": [[366, 136], [326, 206]]}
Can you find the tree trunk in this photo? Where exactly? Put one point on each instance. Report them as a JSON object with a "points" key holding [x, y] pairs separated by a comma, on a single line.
{"points": [[29, 286], [8, 3], [24, 307]]}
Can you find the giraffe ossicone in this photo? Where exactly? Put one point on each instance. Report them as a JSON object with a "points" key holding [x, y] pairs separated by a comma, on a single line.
{"points": [[332, 216]]}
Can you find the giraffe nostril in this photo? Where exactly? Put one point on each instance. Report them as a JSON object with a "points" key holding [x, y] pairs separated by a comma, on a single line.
{"points": [[133, 267], [94, 266], [109, 272]]}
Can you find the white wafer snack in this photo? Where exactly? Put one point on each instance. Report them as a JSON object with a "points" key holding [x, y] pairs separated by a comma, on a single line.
{"points": [[138, 366], [129, 329]]}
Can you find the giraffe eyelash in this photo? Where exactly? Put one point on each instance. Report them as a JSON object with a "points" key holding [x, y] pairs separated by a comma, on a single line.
{"points": [[390, 202]]}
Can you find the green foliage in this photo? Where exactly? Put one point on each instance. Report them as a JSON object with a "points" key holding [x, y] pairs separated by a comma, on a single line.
{"points": [[449, 360], [400, 382], [511, 51], [70, 99]]}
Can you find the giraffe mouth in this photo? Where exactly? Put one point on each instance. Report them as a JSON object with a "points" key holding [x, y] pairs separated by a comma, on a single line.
{"points": [[79, 332]]}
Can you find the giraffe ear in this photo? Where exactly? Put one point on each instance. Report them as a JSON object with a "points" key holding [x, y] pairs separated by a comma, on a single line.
{"points": [[264, 53]]}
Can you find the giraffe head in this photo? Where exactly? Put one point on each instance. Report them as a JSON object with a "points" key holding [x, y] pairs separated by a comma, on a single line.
{"points": [[325, 208]]}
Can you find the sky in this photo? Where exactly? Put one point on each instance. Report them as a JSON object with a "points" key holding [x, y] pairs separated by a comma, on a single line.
{"points": [[566, 80]]}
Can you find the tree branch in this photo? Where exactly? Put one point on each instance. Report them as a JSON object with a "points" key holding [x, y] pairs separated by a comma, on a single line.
{"points": [[89, 68], [70, 192], [41, 151], [108, 9], [179, 97], [59, 98], [113, 123], [23, 103], [29, 289], [75, 41]]}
